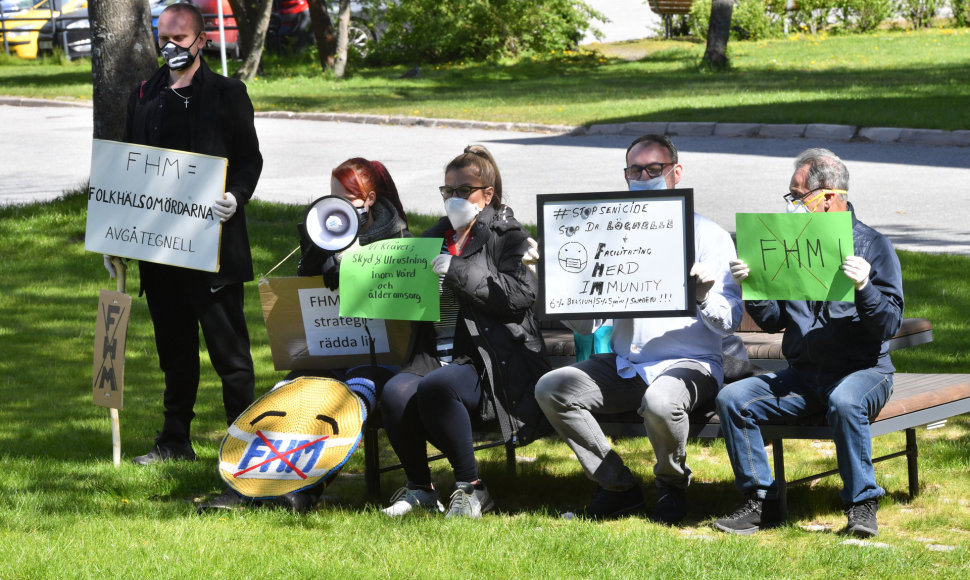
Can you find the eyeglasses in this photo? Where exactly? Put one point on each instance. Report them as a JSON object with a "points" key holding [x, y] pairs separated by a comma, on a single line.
{"points": [[652, 169], [794, 196], [462, 191]]}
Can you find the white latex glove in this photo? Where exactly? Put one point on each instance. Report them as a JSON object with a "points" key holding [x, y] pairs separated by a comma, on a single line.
{"points": [[225, 208], [441, 263], [739, 270], [531, 257], [705, 280], [110, 267], [857, 270]]}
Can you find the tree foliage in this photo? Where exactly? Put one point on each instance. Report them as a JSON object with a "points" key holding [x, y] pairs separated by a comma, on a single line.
{"points": [[751, 19], [919, 12], [961, 12], [430, 31]]}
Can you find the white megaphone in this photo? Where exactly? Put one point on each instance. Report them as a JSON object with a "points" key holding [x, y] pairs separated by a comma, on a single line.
{"points": [[332, 223]]}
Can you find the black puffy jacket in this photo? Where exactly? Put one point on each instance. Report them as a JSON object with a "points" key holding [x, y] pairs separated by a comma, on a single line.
{"points": [[496, 329]]}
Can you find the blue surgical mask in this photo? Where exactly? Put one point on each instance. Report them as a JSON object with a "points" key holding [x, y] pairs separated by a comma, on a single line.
{"points": [[657, 182]]}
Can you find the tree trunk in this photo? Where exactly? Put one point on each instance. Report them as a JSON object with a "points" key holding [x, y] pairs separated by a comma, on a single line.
{"points": [[323, 33], [718, 32], [343, 27], [123, 55], [252, 22]]}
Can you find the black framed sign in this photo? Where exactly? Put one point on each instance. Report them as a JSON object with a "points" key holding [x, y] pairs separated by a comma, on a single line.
{"points": [[624, 254]]}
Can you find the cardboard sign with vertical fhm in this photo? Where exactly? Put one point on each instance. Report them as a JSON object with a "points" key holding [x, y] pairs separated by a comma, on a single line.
{"points": [[114, 309]]}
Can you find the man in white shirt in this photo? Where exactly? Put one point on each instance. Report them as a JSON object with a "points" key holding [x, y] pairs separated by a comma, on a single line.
{"points": [[663, 368]]}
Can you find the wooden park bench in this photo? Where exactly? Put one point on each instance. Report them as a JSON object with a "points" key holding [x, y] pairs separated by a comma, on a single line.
{"points": [[666, 9], [917, 399]]}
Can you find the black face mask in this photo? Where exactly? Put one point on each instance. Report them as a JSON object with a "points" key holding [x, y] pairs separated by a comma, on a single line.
{"points": [[178, 57], [362, 215]]}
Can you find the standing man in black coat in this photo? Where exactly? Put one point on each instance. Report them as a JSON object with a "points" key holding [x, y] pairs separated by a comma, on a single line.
{"points": [[186, 106]]}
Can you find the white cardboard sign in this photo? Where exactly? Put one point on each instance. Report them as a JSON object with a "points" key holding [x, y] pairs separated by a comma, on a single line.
{"points": [[306, 330], [329, 334], [154, 204], [616, 254]]}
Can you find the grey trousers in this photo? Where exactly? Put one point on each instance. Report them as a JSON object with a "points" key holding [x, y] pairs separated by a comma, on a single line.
{"points": [[570, 396]]}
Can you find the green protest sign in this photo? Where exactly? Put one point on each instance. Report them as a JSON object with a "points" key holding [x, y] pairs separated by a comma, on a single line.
{"points": [[391, 279], [795, 256]]}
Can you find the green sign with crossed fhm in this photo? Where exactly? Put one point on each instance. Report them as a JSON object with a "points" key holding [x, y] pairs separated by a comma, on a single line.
{"points": [[795, 256]]}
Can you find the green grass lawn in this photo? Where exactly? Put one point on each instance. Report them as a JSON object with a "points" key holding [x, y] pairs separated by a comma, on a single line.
{"points": [[66, 512], [886, 78]]}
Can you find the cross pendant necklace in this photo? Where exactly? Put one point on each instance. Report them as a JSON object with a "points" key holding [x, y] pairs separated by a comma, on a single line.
{"points": [[182, 97]]}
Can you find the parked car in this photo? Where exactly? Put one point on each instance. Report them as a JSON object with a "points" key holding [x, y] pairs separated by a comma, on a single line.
{"points": [[22, 23], [71, 31], [289, 26], [365, 27], [210, 15]]}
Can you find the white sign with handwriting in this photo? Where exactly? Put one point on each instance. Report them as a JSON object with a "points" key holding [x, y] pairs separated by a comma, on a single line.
{"points": [[154, 204], [616, 254]]}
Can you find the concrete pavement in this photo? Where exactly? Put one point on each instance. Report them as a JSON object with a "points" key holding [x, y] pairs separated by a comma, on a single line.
{"points": [[916, 194]]}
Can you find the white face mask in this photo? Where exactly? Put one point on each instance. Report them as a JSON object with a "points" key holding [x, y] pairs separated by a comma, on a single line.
{"points": [[658, 182], [461, 212], [796, 207]]}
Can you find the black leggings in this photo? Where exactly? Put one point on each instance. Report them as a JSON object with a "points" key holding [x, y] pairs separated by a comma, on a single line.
{"points": [[435, 408]]}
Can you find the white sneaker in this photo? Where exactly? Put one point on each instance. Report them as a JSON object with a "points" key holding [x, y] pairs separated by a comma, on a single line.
{"points": [[406, 499], [468, 502]]}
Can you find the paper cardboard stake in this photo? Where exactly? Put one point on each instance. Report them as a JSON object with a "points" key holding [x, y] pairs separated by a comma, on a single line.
{"points": [[114, 309], [306, 330]]}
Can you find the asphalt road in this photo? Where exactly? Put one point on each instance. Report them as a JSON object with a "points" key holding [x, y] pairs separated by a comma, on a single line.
{"points": [[918, 195]]}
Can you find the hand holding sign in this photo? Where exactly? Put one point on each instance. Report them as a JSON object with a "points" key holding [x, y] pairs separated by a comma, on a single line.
{"points": [[857, 270], [531, 257], [109, 266], [225, 208], [441, 264], [705, 280], [739, 271]]}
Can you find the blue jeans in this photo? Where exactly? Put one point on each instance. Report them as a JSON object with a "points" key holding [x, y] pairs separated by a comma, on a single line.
{"points": [[848, 401]]}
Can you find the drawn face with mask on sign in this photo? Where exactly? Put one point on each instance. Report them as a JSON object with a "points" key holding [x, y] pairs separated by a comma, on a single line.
{"points": [[652, 164]]}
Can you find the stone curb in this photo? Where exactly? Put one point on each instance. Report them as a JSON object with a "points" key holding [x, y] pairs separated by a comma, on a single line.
{"points": [[419, 122], [958, 138], [28, 102]]}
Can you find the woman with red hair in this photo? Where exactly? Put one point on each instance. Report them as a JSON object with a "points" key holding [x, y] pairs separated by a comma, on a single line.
{"points": [[369, 187]]}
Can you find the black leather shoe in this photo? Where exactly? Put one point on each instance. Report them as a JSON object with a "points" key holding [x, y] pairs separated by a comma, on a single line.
{"points": [[165, 453], [298, 502], [671, 506], [227, 501], [608, 505]]}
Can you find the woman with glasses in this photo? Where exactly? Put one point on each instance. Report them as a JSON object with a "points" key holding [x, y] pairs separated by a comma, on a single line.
{"points": [[485, 352]]}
